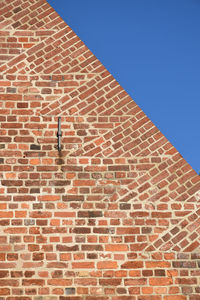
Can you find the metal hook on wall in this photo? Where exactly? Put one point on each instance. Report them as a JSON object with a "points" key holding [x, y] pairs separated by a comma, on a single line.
{"points": [[59, 134]]}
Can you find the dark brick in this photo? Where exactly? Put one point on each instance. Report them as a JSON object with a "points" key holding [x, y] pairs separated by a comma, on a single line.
{"points": [[70, 291], [73, 198], [17, 9], [125, 206], [35, 147], [64, 248], [90, 214]]}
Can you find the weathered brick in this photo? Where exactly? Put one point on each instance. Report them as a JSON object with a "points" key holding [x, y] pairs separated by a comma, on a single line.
{"points": [[70, 291]]}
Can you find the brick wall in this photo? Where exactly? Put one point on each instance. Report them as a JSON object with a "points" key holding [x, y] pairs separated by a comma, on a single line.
{"points": [[116, 213]]}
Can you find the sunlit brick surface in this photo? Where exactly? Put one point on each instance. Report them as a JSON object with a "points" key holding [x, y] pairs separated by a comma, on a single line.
{"points": [[115, 215]]}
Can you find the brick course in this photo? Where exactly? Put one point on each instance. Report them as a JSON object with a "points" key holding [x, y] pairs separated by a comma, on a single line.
{"points": [[115, 215]]}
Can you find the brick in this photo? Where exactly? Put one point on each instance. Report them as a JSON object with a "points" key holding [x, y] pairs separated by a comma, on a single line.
{"points": [[16, 230], [84, 183], [70, 291], [110, 282], [4, 274], [116, 247], [30, 282], [49, 198], [64, 248], [107, 265], [40, 214], [118, 168], [176, 297], [90, 214], [92, 247], [132, 265], [56, 265], [9, 282], [149, 298], [128, 230], [83, 230], [12, 97], [160, 281], [82, 265], [157, 264], [6, 214], [38, 256], [7, 265], [60, 282], [4, 291], [135, 282], [184, 264], [68, 298], [65, 214], [186, 281]]}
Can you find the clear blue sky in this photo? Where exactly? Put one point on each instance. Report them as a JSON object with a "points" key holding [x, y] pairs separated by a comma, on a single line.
{"points": [[152, 48]]}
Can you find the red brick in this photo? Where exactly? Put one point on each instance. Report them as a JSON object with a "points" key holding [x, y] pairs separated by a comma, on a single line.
{"points": [[157, 264], [30, 282], [160, 281], [107, 265], [135, 282], [132, 265], [82, 265], [110, 282], [49, 198], [60, 282], [175, 297], [84, 183], [149, 298], [116, 247], [4, 291]]}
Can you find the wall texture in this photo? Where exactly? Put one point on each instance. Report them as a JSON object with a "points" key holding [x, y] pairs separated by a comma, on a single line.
{"points": [[116, 213]]}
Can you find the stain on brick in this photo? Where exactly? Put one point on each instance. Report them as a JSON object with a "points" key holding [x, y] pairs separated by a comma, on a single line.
{"points": [[35, 147], [70, 291]]}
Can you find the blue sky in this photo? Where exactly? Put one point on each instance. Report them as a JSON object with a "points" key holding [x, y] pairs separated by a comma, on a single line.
{"points": [[152, 48]]}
